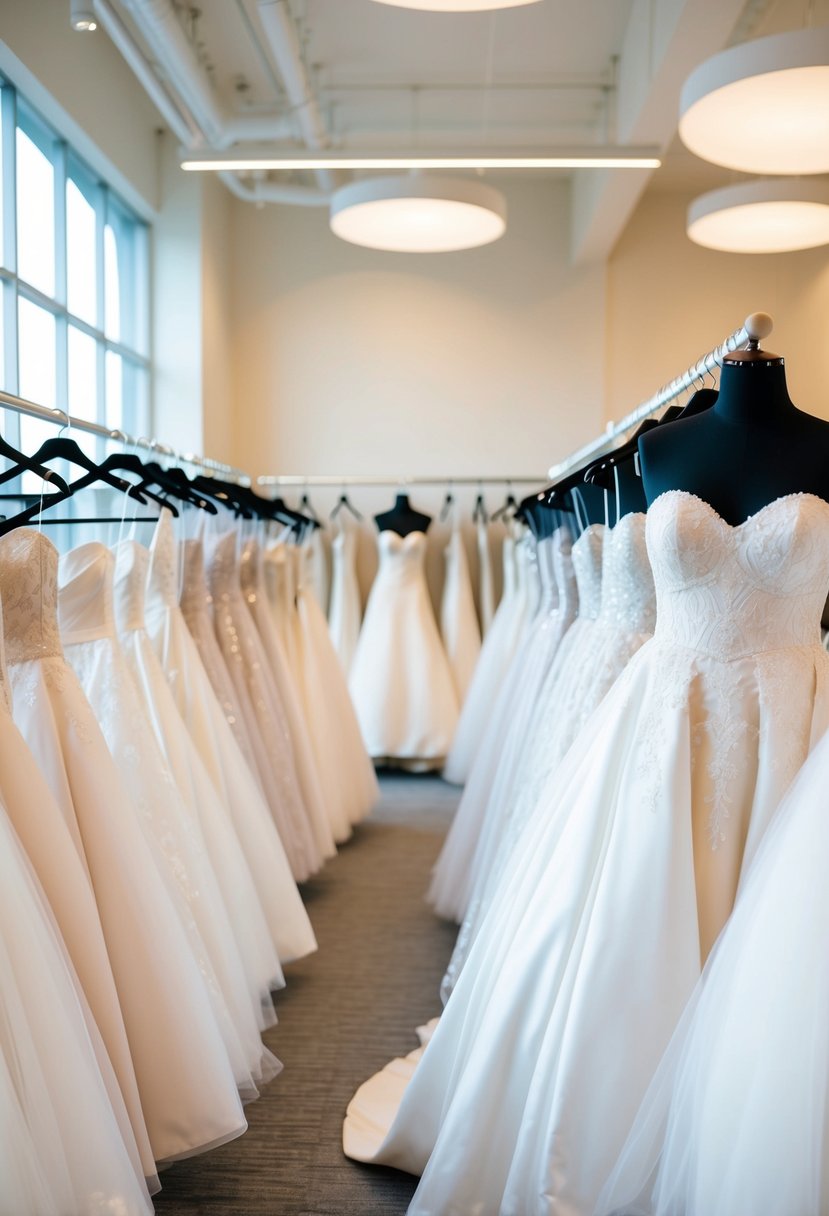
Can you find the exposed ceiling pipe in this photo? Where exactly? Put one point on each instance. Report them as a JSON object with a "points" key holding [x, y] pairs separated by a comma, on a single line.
{"points": [[283, 40], [159, 25], [272, 192]]}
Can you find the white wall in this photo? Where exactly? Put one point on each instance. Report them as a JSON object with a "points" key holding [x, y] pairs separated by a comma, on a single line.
{"points": [[348, 360]]}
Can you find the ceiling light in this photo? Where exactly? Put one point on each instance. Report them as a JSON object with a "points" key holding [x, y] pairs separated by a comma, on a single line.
{"points": [[250, 159], [457, 6], [762, 217], [82, 16], [418, 214], [763, 106]]}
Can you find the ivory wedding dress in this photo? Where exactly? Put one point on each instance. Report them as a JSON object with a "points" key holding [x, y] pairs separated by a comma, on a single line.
{"points": [[625, 874], [497, 762], [401, 682], [287, 919], [497, 652], [186, 1084], [345, 610], [238, 889], [486, 591], [458, 619]]}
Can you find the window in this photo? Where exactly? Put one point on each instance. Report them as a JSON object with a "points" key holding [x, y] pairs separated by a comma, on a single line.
{"points": [[74, 268]]}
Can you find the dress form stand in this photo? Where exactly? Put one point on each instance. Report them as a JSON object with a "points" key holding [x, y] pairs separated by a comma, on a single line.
{"points": [[751, 447], [402, 518]]}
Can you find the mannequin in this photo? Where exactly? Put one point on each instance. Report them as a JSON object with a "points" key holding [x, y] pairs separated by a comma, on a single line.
{"points": [[750, 448], [402, 518], [541, 517]]}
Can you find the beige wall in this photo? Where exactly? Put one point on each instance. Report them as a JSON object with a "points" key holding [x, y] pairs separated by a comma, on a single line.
{"points": [[349, 360], [669, 301]]}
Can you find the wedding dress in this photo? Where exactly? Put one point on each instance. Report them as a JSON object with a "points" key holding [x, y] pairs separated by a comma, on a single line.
{"points": [[401, 682], [735, 1122], [345, 610], [288, 922], [255, 689], [497, 763], [278, 569], [625, 873], [458, 619], [497, 652], [486, 591], [341, 753], [255, 596], [244, 911], [186, 1085]]}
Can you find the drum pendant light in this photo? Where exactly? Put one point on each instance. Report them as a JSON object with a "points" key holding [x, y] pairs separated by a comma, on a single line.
{"points": [[773, 216], [456, 6], [419, 213], [763, 106]]}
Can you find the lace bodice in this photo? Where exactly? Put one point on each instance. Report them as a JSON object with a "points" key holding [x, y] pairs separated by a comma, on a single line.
{"points": [[736, 591], [29, 593], [628, 593], [587, 564], [162, 579], [131, 564], [85, 609]]}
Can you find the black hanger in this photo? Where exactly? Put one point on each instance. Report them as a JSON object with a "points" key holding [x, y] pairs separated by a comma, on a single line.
{"points": [[129, 464], [306, 508], [23, 463], [479, 512], [343, 501], [509, 504], [447, 506]]}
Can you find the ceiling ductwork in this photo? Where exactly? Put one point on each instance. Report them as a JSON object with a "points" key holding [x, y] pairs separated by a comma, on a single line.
{"points": [[272, 192]]}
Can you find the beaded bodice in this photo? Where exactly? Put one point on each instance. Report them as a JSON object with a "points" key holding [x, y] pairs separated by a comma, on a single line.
{"points": [[223, 568], [131, 564], [250, 570], [85, 608], [587, 564], [628, 593], [565, 574], [195, 594], [29, 593], [162, 578], [730, 591]]}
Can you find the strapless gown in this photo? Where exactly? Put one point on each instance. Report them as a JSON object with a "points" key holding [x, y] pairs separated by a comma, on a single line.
{"points": [[498, 650], [594, 943], [288, 922], [185, 1082], [510, 720], [252, 940], [257, 693], [458, 620], [401, 682]]}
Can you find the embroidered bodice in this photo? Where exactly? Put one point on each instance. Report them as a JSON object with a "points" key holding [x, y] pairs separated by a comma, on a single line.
{"points": [[730, 591], [587, 563], [85, 608], [29, 593], [628, 593], [131, 564], [401, 557]]}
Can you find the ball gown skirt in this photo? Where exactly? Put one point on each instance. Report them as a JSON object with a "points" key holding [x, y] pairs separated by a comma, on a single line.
{"points": [[449, 891], [735, 1122], [401, 681], [252, 941], [186, 1084], [625, 874], [500, 645], [287, 920], [458, 620], [345, 610], [252, 583]]}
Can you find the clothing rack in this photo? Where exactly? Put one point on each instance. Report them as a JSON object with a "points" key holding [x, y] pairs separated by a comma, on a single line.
{"points": [[20, 405], [755, 327], [348, 479]]}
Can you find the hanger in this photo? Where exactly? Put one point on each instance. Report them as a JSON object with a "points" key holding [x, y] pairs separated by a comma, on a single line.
{"points": [[23, 463], [509, 504], [343, 501], [479, 512], [448, 503], [306, 507]]}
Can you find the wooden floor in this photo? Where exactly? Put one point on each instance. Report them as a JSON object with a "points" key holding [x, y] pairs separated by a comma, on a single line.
{"points": [[345, 1012]]}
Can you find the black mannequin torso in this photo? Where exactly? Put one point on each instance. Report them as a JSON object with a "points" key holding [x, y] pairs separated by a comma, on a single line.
{"points": [[591, 502], [750, 448], [542, 519], [402, 518]]}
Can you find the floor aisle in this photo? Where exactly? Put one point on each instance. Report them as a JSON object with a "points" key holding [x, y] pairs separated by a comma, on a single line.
{"points": [[345, 1012]]}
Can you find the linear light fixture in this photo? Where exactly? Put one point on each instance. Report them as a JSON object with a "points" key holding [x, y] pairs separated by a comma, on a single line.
{"points": [[249, 160]]}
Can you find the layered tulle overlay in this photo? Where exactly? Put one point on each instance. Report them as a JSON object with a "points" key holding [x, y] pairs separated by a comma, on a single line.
{"points": [[622, 878]]}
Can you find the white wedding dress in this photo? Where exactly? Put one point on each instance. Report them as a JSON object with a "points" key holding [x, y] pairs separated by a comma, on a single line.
{"points": [[624, 875], [458, 620], [493, 774], [288, 922], [486, 589], [401, 682], [499, 648], [345, 609], [185, 1081]]}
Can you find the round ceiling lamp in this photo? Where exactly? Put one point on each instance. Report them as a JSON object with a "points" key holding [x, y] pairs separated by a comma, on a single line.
{"points": [[419, 213], [762, 217], [762, 106], [457, 6]]}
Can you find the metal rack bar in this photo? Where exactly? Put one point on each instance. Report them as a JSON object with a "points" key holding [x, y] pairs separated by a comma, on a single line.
{"points": [[350, 479], [20, 405]]}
